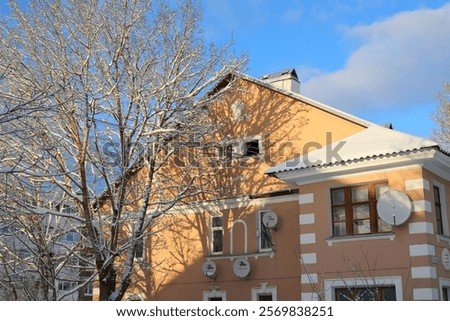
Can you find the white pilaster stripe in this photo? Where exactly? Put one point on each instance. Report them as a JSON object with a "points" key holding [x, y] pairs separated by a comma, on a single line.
{"points": [[421, 227], [421, 206], [418, 183], [309, 258], [310, 278], [306, 198], [423, 272], [309, 296], [306, 219], [421, 250], [308, 238], [425, 294]]}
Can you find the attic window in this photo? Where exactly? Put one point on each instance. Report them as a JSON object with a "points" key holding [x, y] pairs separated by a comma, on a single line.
{"points": [[251, 148]]}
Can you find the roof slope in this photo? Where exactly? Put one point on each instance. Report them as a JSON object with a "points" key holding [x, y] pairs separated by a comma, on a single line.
{"points": [[293, 95], [372, 142]]}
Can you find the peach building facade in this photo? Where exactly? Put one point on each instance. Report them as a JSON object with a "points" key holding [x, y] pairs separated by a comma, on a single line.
{"points": [[295, 216]]}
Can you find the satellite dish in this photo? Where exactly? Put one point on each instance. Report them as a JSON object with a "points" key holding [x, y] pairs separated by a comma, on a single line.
{"points": [[241, 268], [394, 207], [270, 219], [209, 269]]}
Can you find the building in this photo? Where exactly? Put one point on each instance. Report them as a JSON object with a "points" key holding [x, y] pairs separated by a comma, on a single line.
{"points": [[296, 214]]}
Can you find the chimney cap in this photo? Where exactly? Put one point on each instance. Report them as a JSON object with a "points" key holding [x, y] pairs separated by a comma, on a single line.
{"points": [[286, 72]]}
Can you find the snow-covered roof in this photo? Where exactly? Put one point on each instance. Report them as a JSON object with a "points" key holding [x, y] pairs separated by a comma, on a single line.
{"points": [[373, 142]]}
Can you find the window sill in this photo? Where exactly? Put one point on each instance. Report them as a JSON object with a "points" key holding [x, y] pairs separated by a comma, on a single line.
{"points": [[369, 237], [443, 238], [235, 256]]}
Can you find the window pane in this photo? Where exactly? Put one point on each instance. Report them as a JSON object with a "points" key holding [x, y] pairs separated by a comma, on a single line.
{"points": [[381, 189], [139, 254], [361, 211], [340, 229], [339, 214], [381, 293], [251, 148], [217, 241], [361, 227], [266, 238], [437, 196], [338, 196], [383, 227], [217, 221], [265, 297], [360, 194]]}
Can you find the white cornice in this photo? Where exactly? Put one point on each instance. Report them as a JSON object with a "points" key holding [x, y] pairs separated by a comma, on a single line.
{"points": [[430, 159]]}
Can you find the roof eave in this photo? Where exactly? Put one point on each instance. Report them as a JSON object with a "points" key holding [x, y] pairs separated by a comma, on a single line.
{"points": [[430, 158]]}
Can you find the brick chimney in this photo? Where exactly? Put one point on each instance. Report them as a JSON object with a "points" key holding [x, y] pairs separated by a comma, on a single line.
{"points": [[286, 79]]}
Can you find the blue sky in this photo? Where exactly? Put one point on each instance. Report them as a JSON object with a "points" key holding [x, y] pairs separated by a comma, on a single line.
{"points": [[383, 61]]}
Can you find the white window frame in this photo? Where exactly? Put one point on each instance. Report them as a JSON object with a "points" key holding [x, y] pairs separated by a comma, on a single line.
{"points": [[331, 284], [71, 284], [212, 229], [259, 230], [443, 283], [242, 146], [264, 289], [443, 208], [214, 294]]}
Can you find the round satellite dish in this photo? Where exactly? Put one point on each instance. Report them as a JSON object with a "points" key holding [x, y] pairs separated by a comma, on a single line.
{"points": [[270, 219], [445, 256], [394, 207], [209, 269], [241, 268]]}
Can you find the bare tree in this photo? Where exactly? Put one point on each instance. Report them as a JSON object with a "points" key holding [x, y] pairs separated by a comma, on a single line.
{"points": [[116, 87], [442, 118]]}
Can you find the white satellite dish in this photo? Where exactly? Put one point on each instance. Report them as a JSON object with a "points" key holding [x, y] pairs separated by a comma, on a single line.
{"points": [[270, 219], [394, 207], [209, 269], [241, 268]]}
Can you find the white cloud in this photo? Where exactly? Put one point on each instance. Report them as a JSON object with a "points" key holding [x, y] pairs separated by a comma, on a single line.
{"points": [[401, 61]]}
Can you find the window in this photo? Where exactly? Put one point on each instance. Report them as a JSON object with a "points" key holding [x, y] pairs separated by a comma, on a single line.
{"points": [[214, 295], [264, 293], [88, 289], [369, 293], [446, 294], [225, 153], [265, 297], [264, 233], [217, 234], [66, 285], [139, 252], [251, 148], [438, 210], [354, 210], [72, 237]]}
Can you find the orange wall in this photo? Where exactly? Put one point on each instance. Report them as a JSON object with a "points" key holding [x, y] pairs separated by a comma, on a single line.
{"points": [[368, 258], [178, 251]]}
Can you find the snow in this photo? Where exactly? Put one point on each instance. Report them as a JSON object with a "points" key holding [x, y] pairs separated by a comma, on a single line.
{"points": [[371, 142]]}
